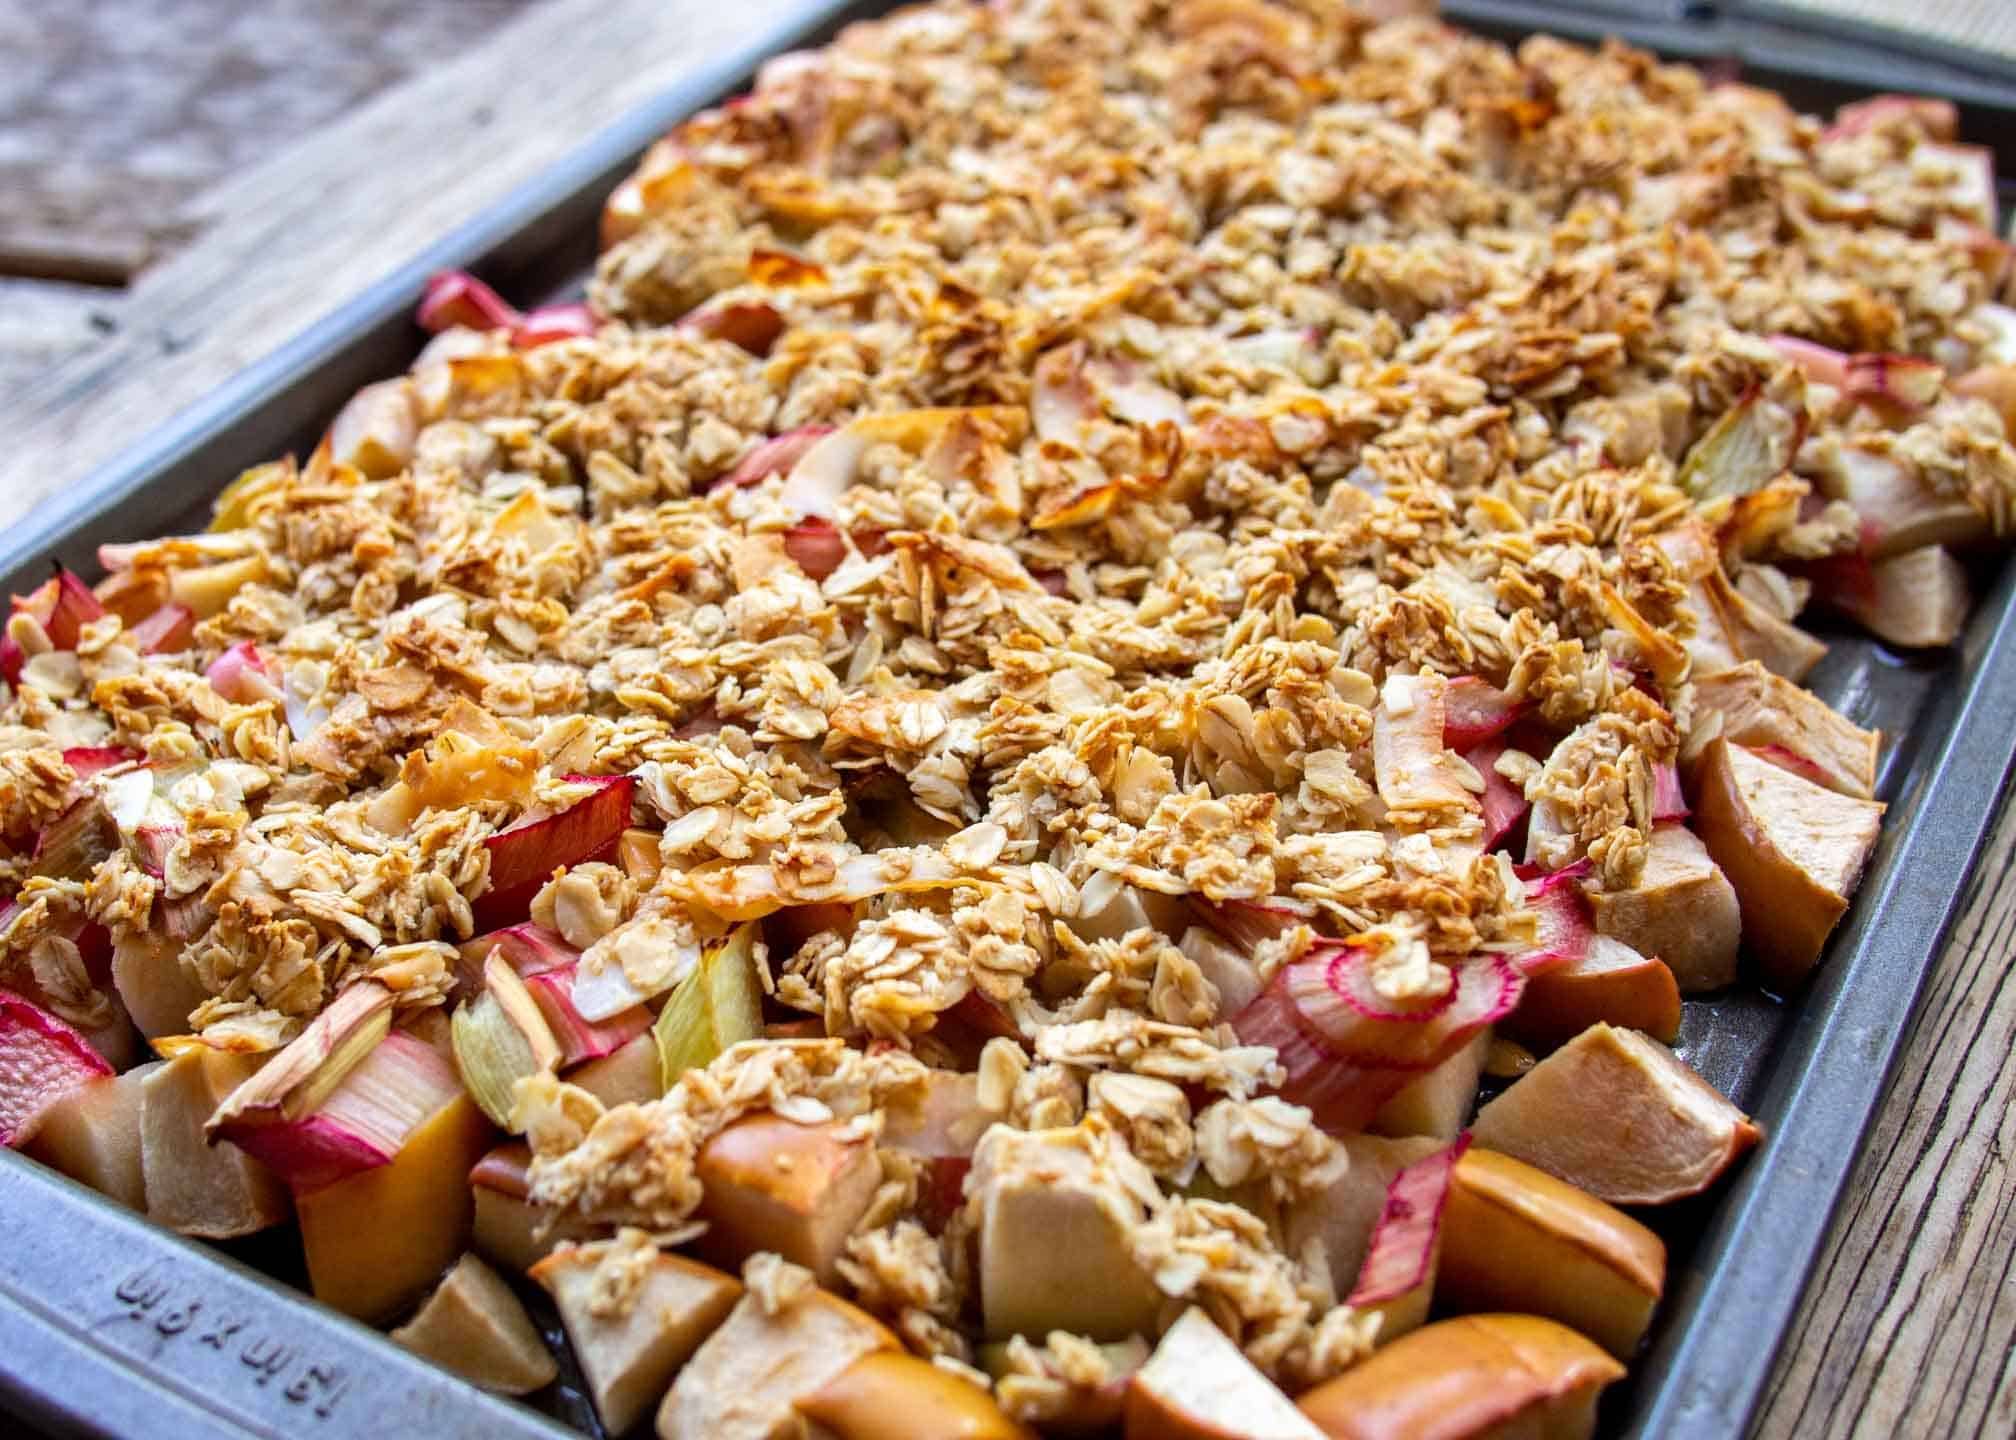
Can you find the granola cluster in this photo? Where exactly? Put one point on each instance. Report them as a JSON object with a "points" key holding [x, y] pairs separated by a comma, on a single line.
{"points": [[1043, 478]]}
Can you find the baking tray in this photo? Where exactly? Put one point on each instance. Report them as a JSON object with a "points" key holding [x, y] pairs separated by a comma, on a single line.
{"points": [[111, 1327]]}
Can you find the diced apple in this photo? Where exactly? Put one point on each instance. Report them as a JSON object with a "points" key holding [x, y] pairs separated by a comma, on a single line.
{"points": [[1682, 910], [475, 1327], [1055, 1211], [508, 1229], [1792, 849], [1995, 384], [1229, 969], [947, 1124], [888, 1395], [745, 1381], [772, 1184], [629, 1357], [1198, 1386], [1917, 600], [1109, 907], [1758, 708], [376, 1241], [1341, 1217], [629, 1075], [198, 1189], [1898, 510], [376, 431], [1469, 1378], [93, 1136], [1609, 981], [1515, 1238], [207, 589], [1621, 1116], [159, 991], [1439, 1102]]}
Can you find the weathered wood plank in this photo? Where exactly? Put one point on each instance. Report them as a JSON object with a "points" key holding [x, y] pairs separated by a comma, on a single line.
{"points": [[1909, 1326], [285, 242]]}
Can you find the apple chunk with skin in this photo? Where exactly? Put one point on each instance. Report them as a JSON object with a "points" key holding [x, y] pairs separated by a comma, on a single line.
{"points": [[1198, 1386], [892, 1396], [772, 1184], [1515, 1238], [215, 1192], [1794, 851], [1682, 910], [474, 1326], [1469, 1378], [93, 1135], [1758, 708], [1056, 1209], [1608, 981], [745, 1381], [508, 1229], [1439, 1102], [1621, 1116], [630, 1356], [375, 1241]]}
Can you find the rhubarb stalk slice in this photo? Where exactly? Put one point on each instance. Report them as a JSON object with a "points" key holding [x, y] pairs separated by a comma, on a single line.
{"points": [[525, 856], [500, 1038], [363, 1122], [718, 1005], [42, 1061], [1398, 1277], [1346, 1051]]}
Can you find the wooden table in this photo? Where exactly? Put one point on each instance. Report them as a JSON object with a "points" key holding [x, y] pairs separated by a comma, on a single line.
{"points": [[1909, 1325]]}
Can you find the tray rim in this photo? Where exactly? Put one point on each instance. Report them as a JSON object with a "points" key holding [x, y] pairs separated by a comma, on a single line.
{"points": [[1819, 1093]]}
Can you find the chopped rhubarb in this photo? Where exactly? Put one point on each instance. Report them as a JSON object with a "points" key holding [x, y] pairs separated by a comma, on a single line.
{"points": [[1248, 922], [1939, 119], [1347, 1049], [1399, 1271], [72, 845], [245, 675], [1819, 364], [42, 1060], [818, 548], [455, 297], [581, 1039], [1504, 804], [75, 608], [1903, 384], [550, 323], [89, 760], [167, 630], [1474, 710], [295, 1082], [1566, 926], [527, 948], [718, 1004], [500, 1038], [525, 856], [776, 456], [1669, 802]]}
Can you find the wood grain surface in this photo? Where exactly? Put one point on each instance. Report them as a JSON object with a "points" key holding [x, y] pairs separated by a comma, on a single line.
{"points": [[1908, 1327]]}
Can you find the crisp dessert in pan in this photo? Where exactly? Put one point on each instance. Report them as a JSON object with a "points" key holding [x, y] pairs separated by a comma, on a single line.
{"points": [[928, 811]]}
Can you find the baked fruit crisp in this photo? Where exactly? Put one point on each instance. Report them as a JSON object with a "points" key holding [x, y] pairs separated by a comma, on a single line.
{"points": [[928, 812]]}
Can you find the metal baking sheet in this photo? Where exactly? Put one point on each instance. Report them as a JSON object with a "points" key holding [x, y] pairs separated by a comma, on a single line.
{"points": [[111, 1327]]}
